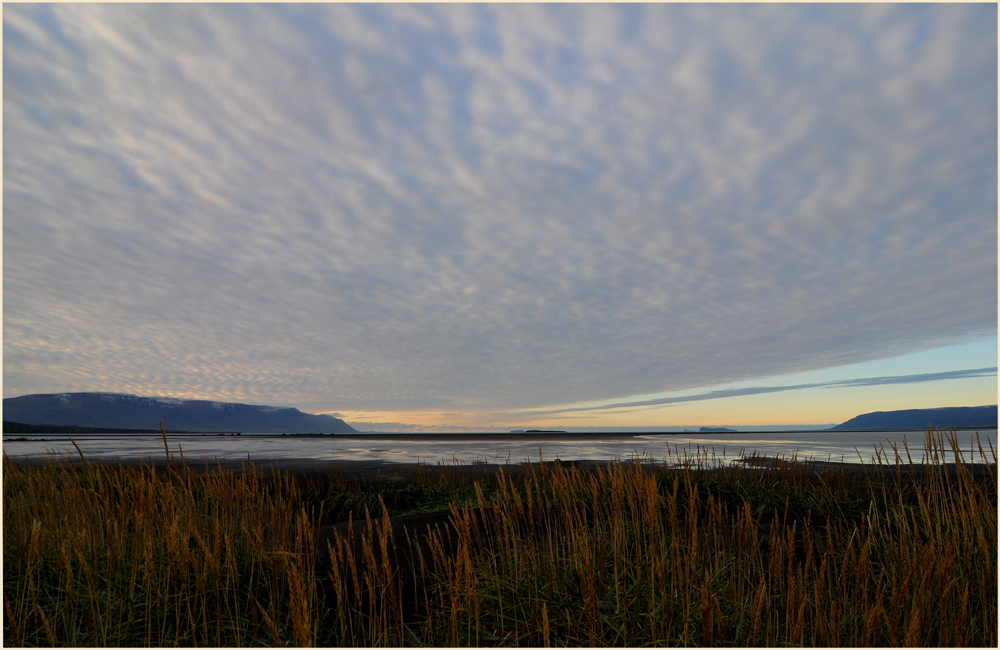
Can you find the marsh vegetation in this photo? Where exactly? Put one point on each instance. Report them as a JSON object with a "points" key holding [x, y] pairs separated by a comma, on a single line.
{"points": [[625, 554]]}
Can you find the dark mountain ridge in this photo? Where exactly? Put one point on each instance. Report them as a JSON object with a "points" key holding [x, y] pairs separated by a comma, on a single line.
{"points": [[121, 411], [950, 416]]}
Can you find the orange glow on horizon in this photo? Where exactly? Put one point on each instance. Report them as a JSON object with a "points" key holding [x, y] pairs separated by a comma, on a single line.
{"points": [[803, 407]]}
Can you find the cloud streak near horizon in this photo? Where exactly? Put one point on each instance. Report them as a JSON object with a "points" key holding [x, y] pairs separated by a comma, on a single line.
{"points": [[761, 390], [486, 208]]}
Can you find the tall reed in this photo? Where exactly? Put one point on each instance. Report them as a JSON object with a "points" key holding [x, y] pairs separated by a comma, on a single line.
{"points": [[893, 555], [765, 553], [115, 555]]}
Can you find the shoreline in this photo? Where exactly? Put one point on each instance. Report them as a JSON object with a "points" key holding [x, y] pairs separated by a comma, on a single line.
{"points": [[40, 430]]}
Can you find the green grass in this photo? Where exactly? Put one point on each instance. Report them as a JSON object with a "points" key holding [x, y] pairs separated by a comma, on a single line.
{"points": [[103, 555]]}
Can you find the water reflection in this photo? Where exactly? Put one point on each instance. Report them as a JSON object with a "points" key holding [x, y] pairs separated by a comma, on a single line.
{"points": [[840, 446]]}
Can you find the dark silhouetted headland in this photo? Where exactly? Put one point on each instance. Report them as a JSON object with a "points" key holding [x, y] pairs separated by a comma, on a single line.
{"points": [[108, 411], [957, 416]]}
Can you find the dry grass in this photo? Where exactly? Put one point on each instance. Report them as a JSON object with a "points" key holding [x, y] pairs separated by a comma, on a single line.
{"points": [[539, 556], [115, 555]]}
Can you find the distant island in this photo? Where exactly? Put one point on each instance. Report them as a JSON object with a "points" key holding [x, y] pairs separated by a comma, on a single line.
{"points": [[117, 412], [953, 416], [716, 430]]}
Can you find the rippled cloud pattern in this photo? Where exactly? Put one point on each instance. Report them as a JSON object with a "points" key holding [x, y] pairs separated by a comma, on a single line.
{"points": [[489, 207]]}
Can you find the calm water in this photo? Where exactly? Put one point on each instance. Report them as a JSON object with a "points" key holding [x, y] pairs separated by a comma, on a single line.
{"points": [[500, 449]]}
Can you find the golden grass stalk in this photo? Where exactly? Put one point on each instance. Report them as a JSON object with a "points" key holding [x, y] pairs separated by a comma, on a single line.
{"points": [[898, 554]]}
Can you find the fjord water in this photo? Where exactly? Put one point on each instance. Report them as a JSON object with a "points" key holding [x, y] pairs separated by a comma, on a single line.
{"points": [[447, 449]]}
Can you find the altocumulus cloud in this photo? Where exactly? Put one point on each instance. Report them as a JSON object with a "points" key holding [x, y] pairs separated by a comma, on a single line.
{"points": [[489, 207]]}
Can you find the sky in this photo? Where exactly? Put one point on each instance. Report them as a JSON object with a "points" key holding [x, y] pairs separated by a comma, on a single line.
{"points": [[479, 217]]}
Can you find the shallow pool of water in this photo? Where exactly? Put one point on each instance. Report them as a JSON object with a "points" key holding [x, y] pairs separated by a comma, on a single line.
{"points": [[841, 446]]}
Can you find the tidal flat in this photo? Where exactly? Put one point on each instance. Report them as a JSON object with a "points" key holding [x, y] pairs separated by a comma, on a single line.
{"points": [[762, 552]]}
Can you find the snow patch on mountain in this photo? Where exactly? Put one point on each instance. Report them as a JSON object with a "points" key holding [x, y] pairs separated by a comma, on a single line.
{"points": [[124, 398]]}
